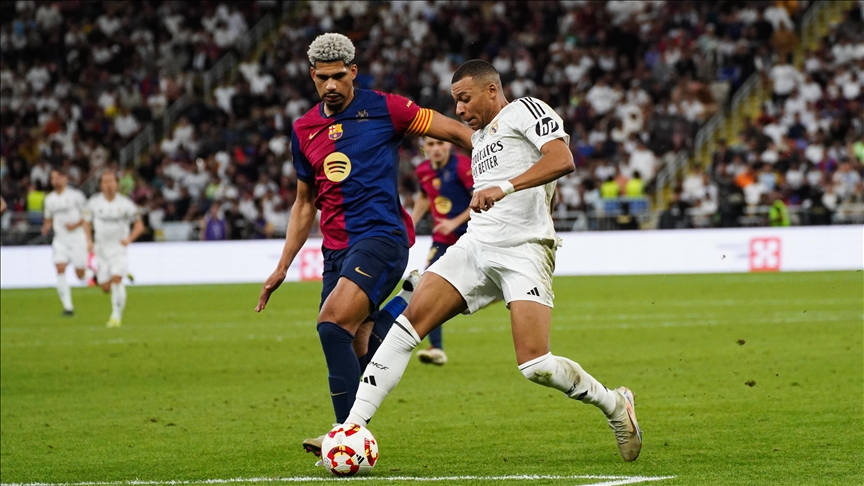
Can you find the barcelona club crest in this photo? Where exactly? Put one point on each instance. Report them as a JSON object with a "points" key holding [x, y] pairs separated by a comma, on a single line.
{"points": [[335, 132]]}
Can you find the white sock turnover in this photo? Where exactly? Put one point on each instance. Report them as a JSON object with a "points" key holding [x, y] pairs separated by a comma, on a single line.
{"points": [[567, 376], [384, 370]]}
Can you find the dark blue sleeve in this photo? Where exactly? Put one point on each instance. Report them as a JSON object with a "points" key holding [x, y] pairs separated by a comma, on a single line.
{"points": [[301, 164]]}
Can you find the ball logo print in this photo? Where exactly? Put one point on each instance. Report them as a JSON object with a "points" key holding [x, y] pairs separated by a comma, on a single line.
{"points": [[545, 127], [337, 167], [765, 254], [349, 450]]}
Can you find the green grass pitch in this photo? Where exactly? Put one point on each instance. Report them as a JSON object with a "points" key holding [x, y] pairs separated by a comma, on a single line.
{"points": [[742, 379]]}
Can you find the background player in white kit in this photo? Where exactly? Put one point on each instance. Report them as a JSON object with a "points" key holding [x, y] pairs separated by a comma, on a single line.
{"points": [[64, 208], [110, 214], [520, 150]]}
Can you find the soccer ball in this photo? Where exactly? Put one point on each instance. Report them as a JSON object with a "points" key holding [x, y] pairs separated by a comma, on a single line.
{"points": [[349, 450]]}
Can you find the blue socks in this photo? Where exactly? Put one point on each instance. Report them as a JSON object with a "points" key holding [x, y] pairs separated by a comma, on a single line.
{"points": [[436, 338], [393, 309], [381, 326], [342, 366]]}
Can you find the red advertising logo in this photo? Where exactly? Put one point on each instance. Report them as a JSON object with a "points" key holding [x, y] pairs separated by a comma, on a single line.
{"points": [[765, 254], [311, 264]]}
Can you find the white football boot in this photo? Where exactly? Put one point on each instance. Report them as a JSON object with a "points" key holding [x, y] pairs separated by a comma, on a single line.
{"points": [[623, 422], [434, 356], [411, 281]]}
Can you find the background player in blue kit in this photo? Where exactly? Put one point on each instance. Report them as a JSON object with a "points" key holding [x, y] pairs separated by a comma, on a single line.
{"points": [[345, 152], [446, 186]]}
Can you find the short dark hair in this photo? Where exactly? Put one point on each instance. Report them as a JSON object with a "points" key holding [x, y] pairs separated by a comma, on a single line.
{"points": [[477, 69], [59, 170]]}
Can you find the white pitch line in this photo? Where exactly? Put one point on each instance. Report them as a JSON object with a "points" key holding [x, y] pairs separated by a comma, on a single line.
{"points": [[610, 480]]}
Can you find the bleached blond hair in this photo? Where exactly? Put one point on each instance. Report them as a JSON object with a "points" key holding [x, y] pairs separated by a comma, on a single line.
{"points": [[331, 47]]}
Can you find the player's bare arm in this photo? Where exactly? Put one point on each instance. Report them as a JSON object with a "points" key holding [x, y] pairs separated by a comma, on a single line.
{"points": [[46, 225], [137, 230], [449, 130], [556, 162], [72, 226], [421, 207], [88, 233], [299, 225], [446, 226]]}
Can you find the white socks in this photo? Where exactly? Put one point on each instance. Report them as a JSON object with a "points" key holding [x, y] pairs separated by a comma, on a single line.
{"points": [[64, 292], [386, 367], [118, 300], [567, 376], [384, 370]]}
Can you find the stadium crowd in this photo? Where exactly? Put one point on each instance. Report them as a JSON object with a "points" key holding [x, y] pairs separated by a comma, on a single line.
{"points": [[632, 81], [805, 149]]}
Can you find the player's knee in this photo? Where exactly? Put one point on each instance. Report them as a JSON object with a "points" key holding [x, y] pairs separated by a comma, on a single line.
{"points": [[80, 272], [332, 332], [61, 268], [116, 279]]}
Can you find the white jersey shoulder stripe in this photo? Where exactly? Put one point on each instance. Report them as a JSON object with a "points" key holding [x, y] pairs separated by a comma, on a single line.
{"points": [[536, 109]]}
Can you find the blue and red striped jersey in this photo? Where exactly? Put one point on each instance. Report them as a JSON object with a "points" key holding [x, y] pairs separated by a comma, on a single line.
{"points": [[449, 191], [352, 160]]}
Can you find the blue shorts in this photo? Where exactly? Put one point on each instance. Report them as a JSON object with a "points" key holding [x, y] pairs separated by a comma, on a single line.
{"points": [[375, 264], [435, 252]]}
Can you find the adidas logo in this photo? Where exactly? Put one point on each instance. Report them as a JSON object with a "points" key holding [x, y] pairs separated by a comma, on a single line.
{"points": [[534, 292], [370, 380]]}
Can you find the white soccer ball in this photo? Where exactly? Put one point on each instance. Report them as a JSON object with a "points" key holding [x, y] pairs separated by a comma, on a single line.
{"points": [[349, 450]]}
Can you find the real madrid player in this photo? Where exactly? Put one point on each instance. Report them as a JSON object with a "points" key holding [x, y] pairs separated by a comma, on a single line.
{"points": [[64, 208], [446, 187], [110, 214], [345, 152], [520, 150]]}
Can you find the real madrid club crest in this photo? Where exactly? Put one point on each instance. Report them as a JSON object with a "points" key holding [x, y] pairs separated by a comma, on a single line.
{"points": [[335, 132], [494, 128]]}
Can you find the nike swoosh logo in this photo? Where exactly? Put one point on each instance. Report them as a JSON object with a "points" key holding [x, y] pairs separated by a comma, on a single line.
{"points": [[311, 136], [361, 272], [337, 394]]}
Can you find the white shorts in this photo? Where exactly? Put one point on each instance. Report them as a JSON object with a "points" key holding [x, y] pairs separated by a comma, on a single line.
{"points": [[483, 273], [110, 261], [70, 249]]}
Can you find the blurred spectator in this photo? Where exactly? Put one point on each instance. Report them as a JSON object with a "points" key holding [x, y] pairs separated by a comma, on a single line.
{"points": [[213, 225]]}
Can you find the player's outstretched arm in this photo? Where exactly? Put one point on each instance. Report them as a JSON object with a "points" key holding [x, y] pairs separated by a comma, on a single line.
{"points": [[449, 130], [137, 230], [556, 162], [299, 225], [447, 226], [88, 233], [421, 206]]}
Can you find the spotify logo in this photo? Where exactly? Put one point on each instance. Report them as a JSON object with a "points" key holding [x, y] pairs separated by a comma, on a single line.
{"points": [[337, 167]]}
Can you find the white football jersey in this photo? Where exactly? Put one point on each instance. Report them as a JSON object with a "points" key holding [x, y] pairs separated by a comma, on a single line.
{"points": [[504, 149], [64, 208], [110, 219]]}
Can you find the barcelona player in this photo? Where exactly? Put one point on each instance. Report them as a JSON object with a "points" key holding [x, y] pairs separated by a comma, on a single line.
{"points": [[345, 152], [446, 186]]}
